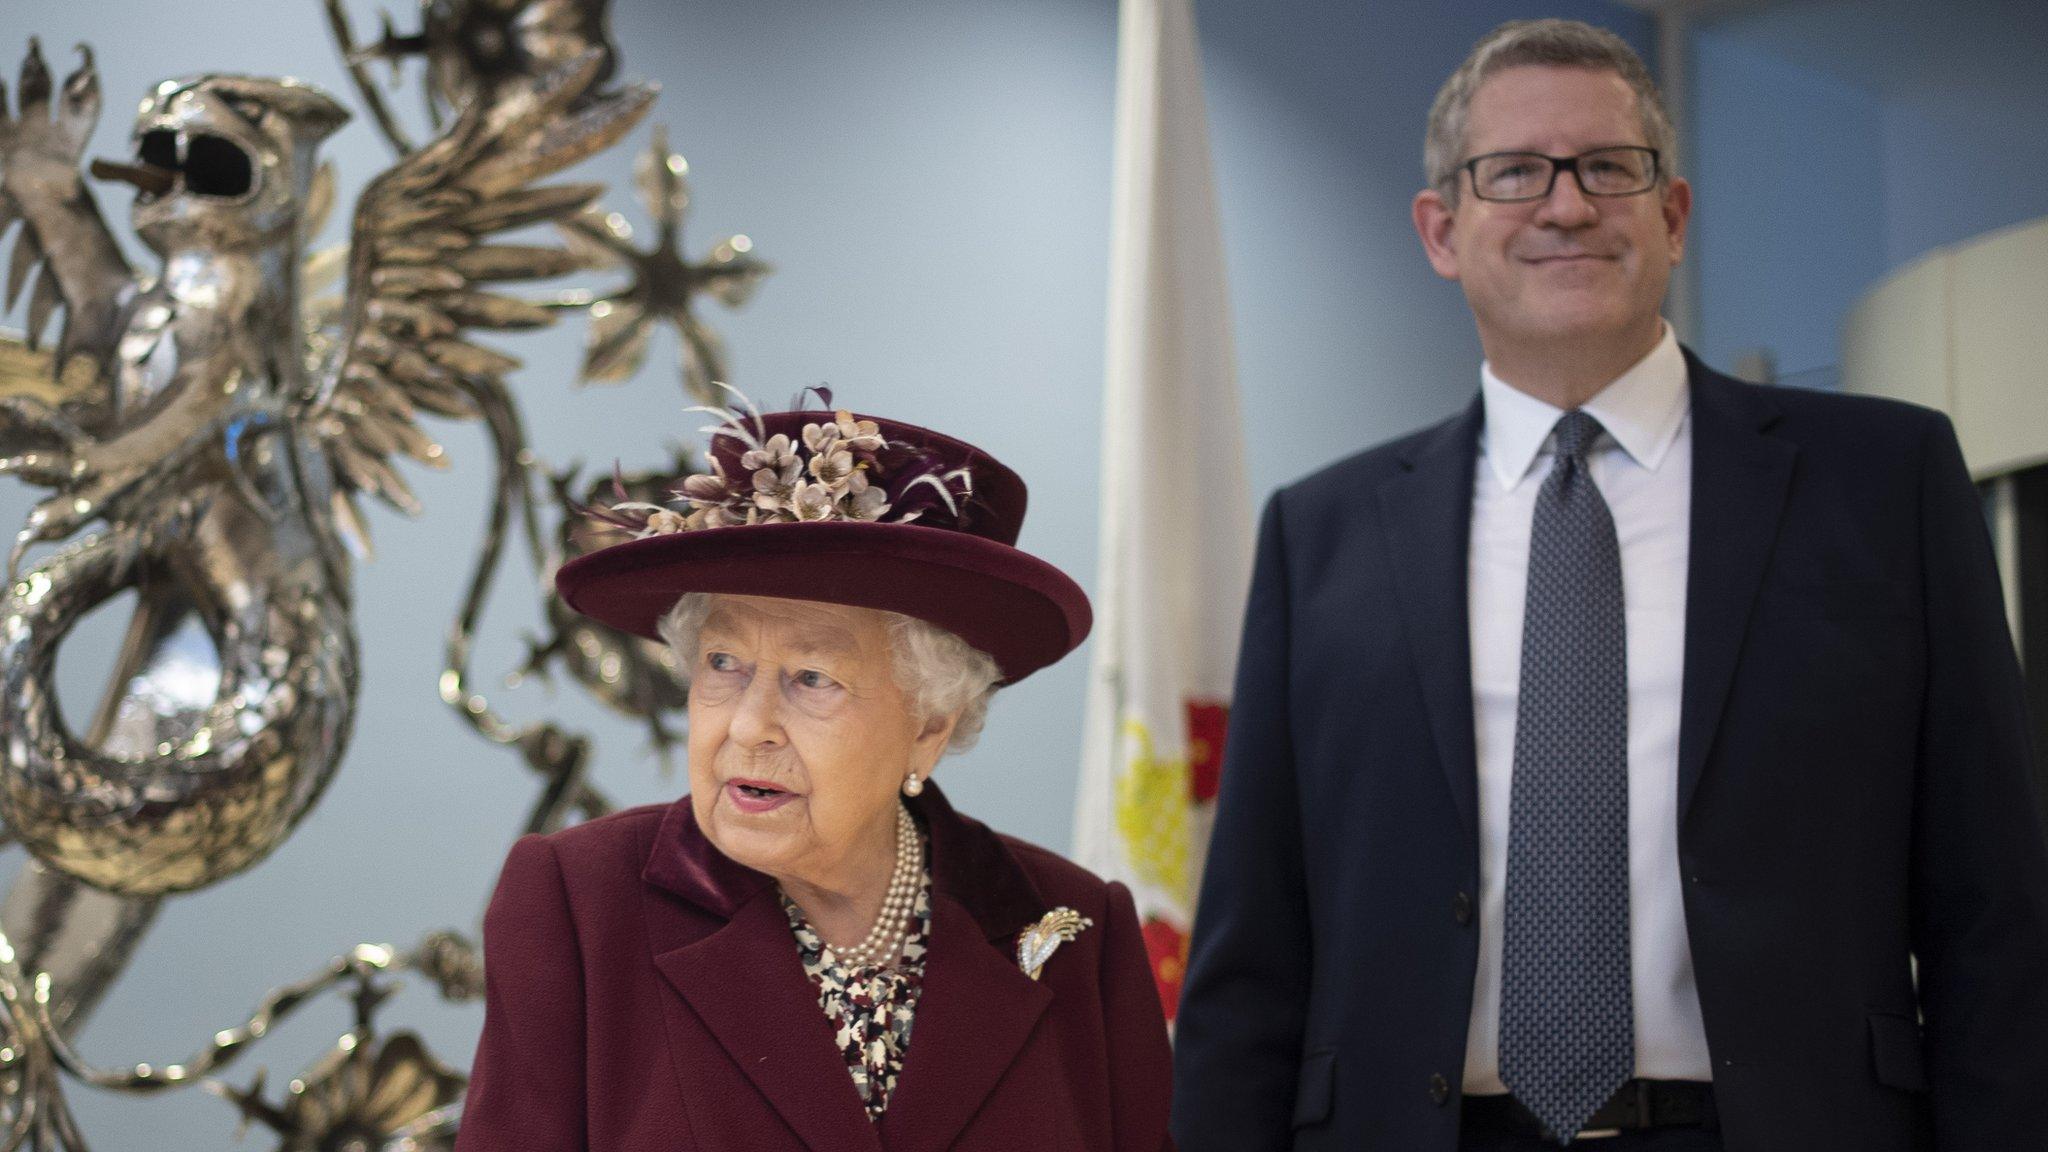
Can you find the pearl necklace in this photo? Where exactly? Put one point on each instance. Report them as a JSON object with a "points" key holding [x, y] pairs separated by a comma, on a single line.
{"points": [[885, 941]]}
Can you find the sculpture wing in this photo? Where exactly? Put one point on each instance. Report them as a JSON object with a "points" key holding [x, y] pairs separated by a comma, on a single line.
{"points": [[421, 260]]}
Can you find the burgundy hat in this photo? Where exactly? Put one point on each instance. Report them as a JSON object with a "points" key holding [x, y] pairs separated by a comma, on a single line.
{"points": [[842, 509]]}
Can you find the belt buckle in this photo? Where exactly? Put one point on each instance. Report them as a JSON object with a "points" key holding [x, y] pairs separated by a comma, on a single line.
{"points": [[1636, 1092]]}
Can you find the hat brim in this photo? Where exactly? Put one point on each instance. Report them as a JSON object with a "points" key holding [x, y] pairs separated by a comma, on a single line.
{"points": [[1017, 608]]}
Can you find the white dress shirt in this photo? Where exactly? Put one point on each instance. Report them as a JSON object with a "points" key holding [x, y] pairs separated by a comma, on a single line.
{"points": [[1643, 468]]}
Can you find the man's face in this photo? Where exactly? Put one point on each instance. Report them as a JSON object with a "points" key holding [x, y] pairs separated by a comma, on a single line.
{"points": [[1570, 267]]}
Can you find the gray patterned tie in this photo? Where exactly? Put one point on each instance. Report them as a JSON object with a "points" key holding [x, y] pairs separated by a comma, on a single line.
{"points": [[1567, 1038]]}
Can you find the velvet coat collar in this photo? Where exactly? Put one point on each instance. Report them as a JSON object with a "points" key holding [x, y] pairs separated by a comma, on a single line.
{"points": [[975, 1013], [969, 862]]}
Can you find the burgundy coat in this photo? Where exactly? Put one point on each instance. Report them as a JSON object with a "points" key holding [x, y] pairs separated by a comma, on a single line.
{"points": [[645, 994]]}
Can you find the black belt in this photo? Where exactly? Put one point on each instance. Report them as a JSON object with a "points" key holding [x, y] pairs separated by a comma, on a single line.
{"points": [[1639, 1104]]}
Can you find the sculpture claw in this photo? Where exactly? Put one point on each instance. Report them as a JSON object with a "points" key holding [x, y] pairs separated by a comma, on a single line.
{"points": [[34, 90], [27, 416], [79, 109]]}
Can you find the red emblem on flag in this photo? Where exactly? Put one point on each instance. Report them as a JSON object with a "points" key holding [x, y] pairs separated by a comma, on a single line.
{"points": [[1167, 948], [1207, 722]]}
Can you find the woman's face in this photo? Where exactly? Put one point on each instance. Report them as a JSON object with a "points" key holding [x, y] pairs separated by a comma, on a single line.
{"points": [[800, 739]]}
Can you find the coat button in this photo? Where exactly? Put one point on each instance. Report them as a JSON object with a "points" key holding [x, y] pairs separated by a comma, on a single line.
{"points": [[1439, 1089], [1461, 907]]}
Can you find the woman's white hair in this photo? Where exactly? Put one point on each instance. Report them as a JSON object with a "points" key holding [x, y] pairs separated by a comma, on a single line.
{"points": [[940, 672]]}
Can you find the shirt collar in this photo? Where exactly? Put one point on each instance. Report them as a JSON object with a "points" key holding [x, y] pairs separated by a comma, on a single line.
{"points": [[1642, 410]]}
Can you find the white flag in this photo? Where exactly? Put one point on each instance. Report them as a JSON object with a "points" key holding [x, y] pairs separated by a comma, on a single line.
{"points": [[1176, 519]]}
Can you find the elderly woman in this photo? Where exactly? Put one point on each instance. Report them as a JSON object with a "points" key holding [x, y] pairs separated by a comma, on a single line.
{"points": [[813, 950]]}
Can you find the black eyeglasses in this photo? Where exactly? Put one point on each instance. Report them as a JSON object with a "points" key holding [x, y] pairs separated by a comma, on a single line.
{"points": [[1513, 177]]}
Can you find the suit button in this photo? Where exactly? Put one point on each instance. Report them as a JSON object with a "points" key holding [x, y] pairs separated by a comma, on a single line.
{"points": [[1461, 907], [1439, 1089]]}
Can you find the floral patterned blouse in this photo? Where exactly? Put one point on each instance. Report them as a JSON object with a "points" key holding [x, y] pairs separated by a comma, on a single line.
{"points": [[870, 1005]]}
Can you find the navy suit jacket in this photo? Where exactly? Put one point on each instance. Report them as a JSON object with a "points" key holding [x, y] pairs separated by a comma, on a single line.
{"points": [[1853, 797]]}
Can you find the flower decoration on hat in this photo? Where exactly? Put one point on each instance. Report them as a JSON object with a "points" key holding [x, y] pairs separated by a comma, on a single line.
{"points": [[839, 467], [838, 508]]}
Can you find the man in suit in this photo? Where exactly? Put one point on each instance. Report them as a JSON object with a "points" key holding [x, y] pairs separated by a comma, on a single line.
{"points": [[1635, 760]]}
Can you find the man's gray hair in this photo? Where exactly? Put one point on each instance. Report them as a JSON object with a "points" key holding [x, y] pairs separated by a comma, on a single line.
{"points": [[938, 670], [1549, 44]]}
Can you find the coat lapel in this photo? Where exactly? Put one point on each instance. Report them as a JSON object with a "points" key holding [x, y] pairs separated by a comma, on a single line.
{"points": [[745, 981], [1739, 481], [747, 984], [975, 1014], [977, 1009], [1428, 512]]}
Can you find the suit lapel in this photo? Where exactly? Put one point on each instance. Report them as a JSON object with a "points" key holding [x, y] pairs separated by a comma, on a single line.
{"points": [[1428, 512], [974, 1016], [746, 982], [1739, 481]]}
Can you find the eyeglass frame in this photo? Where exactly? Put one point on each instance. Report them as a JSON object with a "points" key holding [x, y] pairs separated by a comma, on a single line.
{"points": [[1560, 164]]}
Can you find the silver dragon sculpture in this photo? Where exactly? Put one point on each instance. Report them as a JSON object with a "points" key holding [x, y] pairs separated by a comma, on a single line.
{"points": [[207, 430], [228, 430]]}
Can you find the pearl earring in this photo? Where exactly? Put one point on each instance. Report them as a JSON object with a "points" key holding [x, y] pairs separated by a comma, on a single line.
{"points": [[913, 786]]}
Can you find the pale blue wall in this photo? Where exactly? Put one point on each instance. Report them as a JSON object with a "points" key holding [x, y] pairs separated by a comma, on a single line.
{"points": [[1787, 165], [1838, 140], [1955, 167], [933, 180]]}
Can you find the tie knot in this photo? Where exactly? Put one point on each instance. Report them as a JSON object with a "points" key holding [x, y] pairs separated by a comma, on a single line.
{"points": [[1576, 432]]}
